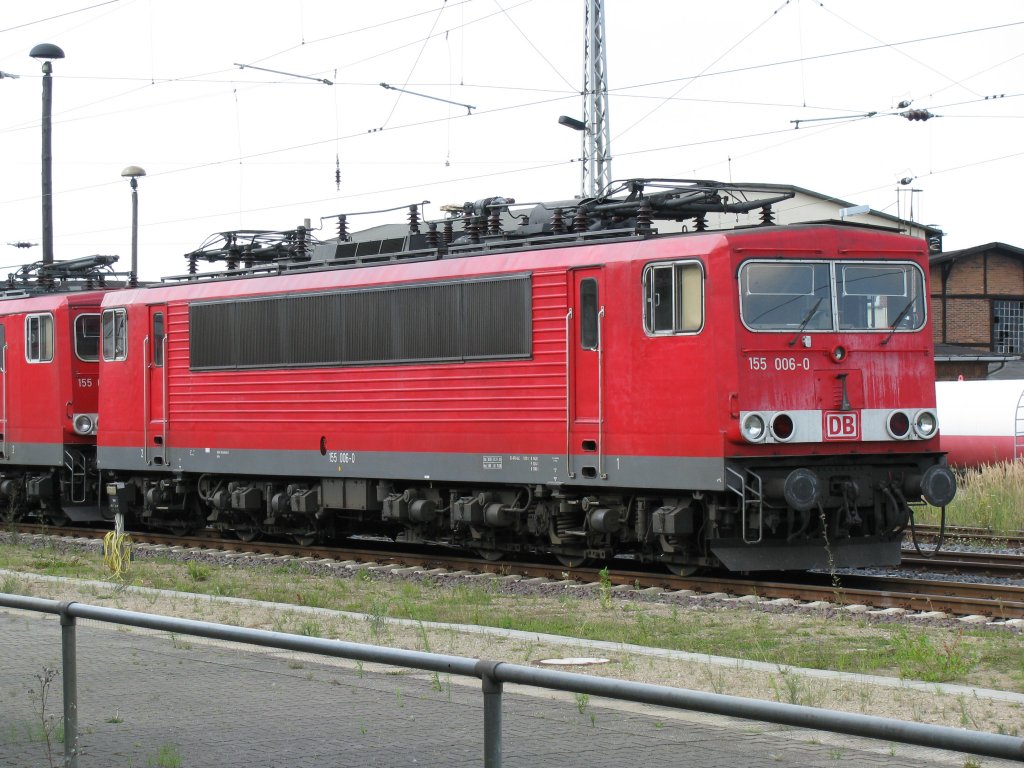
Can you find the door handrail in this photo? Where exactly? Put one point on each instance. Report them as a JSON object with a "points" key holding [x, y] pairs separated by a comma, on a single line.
{"points": [[145, 400], [568, 395], [600, 395]]}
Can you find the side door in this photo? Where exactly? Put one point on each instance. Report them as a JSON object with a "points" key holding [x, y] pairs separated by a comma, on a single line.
{"points": [[154, 357], [3, 389], [85, 378], [585, 364]]}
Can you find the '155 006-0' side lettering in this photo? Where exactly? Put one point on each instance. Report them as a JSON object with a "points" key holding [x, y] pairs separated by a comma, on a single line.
{"points": [[779, 363]]}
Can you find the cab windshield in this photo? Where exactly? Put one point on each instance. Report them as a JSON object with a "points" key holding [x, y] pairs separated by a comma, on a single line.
{"points": [[829, 296]]}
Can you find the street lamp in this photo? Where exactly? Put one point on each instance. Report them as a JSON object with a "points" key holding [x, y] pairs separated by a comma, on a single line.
{"points": [[46, 52], [133, 172], [579, 125]]}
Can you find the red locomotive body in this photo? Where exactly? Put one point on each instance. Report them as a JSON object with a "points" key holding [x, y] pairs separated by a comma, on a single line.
{"points": [[758, 398], [49, 391]]}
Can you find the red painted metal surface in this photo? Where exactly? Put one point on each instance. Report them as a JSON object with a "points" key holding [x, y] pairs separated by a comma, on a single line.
{"points": [[40, 398], [673, 396]]}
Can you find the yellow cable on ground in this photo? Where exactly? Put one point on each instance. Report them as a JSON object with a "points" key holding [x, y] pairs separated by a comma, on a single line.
{"points": [[117, 553]]}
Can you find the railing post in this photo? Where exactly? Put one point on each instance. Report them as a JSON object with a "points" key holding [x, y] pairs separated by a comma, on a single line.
{"points": [[492, 712], [70, 675]]}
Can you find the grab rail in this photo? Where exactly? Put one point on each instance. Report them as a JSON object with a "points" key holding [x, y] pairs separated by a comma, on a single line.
{"points": [[493, 674]]}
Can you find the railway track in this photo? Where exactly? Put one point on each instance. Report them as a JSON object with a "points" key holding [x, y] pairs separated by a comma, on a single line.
{"points": [[856, 592], [994, 564], [969, 535]]}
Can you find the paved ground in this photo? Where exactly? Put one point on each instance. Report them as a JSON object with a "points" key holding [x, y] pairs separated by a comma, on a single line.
{"points": [[151, 699]]}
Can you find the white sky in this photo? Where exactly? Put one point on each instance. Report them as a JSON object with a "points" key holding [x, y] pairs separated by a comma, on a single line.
{"points": [[698, 90]]}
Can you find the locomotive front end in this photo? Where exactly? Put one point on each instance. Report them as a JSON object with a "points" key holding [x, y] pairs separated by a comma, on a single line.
{"points": [[833, 433]]}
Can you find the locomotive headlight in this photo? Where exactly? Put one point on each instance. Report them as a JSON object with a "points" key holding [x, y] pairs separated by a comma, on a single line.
{"points": [[85, 423], [782, 427], [926, 424], [898, 425], [753, 427]]}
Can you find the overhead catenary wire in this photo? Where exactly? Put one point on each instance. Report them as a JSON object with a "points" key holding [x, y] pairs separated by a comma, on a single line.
{"points": [[358, 30], [897, 50], [338, 139], [413, 68], [690, 81], [58, 16], [535, 48], [820, 56], [252, 156], [201, 78]]}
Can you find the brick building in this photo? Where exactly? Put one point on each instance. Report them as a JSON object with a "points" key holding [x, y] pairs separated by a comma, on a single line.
{"points": [[977, 307]]}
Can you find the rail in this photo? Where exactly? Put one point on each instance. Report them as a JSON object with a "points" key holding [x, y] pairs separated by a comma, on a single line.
{"points": [[494, 674]]}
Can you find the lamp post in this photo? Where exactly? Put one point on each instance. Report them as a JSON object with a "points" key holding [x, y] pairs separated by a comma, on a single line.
{"points": [[45, 52], [133, 172], [579, 125]]}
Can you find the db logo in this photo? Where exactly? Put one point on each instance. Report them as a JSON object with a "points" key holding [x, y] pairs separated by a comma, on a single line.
{"points": [[841, 425]]}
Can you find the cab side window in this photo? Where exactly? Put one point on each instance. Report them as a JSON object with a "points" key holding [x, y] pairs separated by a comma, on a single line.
{"points": [[87, 337], [674, 298], [39, 338], [115, 334]]}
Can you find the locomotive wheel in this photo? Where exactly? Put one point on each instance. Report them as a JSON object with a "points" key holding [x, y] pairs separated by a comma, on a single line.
{"points": [[490, 555], [572, 561], [180, 528], [679, 569], [304, 539], [247, 534], [56, 519]]}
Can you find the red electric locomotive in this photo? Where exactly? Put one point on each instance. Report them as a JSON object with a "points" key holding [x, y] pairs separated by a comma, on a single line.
{"points": [[574, 383], [49, 390]]}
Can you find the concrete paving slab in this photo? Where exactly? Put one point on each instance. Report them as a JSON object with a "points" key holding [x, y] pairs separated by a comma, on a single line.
{"points": [[149, 698]]}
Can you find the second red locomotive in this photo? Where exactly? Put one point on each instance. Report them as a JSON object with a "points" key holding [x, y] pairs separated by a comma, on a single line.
{"points": [[49, 390]]}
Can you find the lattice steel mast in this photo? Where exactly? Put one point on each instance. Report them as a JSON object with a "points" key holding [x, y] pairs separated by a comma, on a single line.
{"points": [[597, 152]]}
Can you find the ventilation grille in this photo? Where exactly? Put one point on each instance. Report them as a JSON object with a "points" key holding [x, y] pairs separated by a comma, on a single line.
{"points": [[436, 322]]}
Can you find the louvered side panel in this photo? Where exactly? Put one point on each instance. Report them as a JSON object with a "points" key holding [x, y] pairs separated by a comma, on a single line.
{"points": [[426, 405]]}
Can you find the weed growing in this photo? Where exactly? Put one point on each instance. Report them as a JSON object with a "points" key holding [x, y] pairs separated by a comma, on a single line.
{"points": [[824, 640], [311, 628], [987, 497], [167, 756], [919, 657], [605, 589], [196, 571], [51, 726], [582, 702]]}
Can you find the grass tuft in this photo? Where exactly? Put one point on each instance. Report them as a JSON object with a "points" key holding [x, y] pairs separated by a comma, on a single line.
{"points": [[987, 497]]}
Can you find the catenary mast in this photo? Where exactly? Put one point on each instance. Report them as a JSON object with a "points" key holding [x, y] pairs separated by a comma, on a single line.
{"points": [[597, 153]]}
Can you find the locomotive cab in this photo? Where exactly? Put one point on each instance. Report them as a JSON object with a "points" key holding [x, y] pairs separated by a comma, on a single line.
{"points": [[833, 428], [50, 353]]}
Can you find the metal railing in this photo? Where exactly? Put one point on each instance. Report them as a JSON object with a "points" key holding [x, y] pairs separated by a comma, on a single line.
{"points": [[493, 674]]}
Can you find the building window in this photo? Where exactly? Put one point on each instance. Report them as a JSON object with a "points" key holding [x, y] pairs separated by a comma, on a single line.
{"points": [[87, 337], [115, 334], [1008, 327], [39, 338]]}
